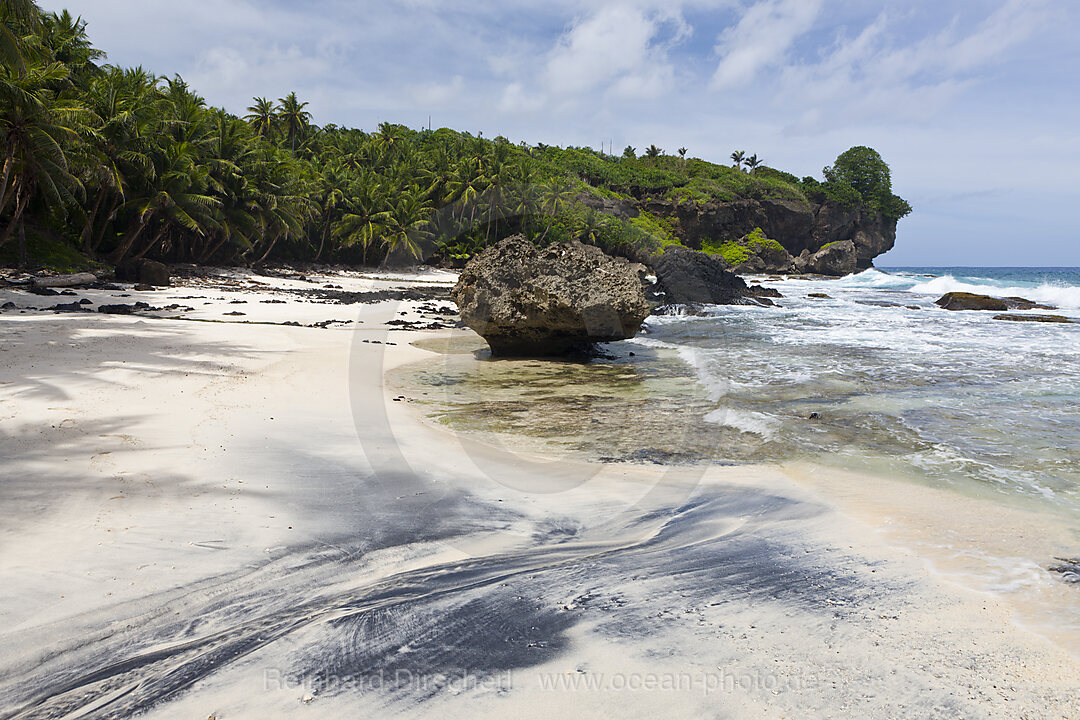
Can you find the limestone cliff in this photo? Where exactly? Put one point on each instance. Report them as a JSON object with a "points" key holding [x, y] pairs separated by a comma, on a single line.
{"points": [[798, 226]]}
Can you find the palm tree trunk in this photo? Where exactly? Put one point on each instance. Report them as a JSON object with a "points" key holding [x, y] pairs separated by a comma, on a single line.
{"points": [[104, 227], [134, 230], [267, 253], [154, 242], [210, 252], [21, 199], [8, 163], [322, 242], [88, 228], [23, 258]]}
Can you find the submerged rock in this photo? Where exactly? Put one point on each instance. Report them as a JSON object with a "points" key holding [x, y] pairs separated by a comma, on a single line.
{"points": [[835, 258], [530, 301], [1069, 569], [974, 301], [970, 301], [1017, 317], [687, 277]]}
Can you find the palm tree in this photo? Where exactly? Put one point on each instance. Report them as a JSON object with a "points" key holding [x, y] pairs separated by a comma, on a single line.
{"points": [[129, 107], [653, 152], [64, 37], [406, 224], [331, 194], [590, 225], [752, 162], [261, 116], [38, 133], [362, 223], [292, 115], [737, 158], [176, 199], [629, 152], [18, 18], [555, 197], [682, 154]]}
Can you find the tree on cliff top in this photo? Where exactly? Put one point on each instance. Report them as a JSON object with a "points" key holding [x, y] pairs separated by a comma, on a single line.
{"points": [[863, 170]]}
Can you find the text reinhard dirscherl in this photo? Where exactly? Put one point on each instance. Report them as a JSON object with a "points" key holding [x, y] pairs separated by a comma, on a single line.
{"points": [[458, 681]]}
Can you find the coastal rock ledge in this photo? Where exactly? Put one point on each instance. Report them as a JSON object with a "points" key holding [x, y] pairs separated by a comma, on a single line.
{"points": [[529, 301]]}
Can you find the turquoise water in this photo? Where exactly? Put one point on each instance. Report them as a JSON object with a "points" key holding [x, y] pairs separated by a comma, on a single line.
{"points": [[873, 378], [899, 385]]}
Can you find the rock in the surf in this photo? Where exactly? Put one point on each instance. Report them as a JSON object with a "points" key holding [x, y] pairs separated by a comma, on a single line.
{"points": [[835, 258], [686, 277], [1018, 317], [530, 301]]}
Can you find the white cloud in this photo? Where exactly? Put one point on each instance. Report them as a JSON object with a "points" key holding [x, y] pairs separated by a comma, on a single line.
{"points": [[616, 47], [761, 39]]}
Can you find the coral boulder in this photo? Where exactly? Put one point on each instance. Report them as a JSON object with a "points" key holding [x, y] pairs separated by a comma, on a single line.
{"points": [[530, 301]]}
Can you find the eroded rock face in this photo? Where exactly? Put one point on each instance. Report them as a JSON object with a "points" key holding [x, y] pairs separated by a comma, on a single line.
{"points": [[530, 301], [765, 255], [788, 222], [686, 277], [869, 231], [837, 258]]}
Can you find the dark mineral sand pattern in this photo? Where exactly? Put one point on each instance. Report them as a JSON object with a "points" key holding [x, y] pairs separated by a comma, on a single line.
{"points": [[488, 614], [447, 568]]}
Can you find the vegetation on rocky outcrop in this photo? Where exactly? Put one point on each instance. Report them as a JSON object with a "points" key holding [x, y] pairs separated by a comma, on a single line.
{"points": [[118, 163]]}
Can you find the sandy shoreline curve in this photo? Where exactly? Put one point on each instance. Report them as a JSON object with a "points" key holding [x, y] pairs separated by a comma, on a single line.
{"points": [[229, 519]]}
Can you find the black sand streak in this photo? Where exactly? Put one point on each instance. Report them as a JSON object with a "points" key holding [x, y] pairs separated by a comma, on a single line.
{"points": [[467, 614]]}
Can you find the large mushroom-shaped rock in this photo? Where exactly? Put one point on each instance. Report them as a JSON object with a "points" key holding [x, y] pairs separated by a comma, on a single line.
{"points": [[836, 258], [686, 276], [530, 301]]}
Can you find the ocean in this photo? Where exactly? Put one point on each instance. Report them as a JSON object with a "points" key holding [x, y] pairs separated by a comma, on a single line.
{"points": [[873, 378], [872, 381]]}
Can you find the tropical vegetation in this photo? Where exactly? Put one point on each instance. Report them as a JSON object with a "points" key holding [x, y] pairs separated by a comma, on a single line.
{"points": [[119, 163]]}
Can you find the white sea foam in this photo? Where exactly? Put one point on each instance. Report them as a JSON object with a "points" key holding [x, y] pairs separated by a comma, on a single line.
{"points": [[744, 421], [874, 278], [1063, 296]]}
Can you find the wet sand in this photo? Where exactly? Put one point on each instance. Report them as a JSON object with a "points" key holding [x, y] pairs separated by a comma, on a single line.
{"points": [[246, 521]]}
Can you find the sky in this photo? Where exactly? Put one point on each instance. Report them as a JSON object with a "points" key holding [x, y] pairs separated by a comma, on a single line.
{"points": [[974, 104]]}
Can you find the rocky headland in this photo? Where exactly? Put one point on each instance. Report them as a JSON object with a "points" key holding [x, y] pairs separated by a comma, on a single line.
{"points": [[799, 229]]}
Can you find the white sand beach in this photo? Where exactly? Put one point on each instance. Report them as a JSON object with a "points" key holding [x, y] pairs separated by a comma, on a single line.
{"points": [[215, 515]]}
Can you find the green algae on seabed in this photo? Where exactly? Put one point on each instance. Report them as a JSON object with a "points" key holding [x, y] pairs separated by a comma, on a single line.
{"points": [[620, 407]]}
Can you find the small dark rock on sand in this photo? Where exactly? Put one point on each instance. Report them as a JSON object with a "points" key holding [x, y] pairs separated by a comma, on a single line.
{"points": [[69, 308], [123, 309], [1069, 569]]}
